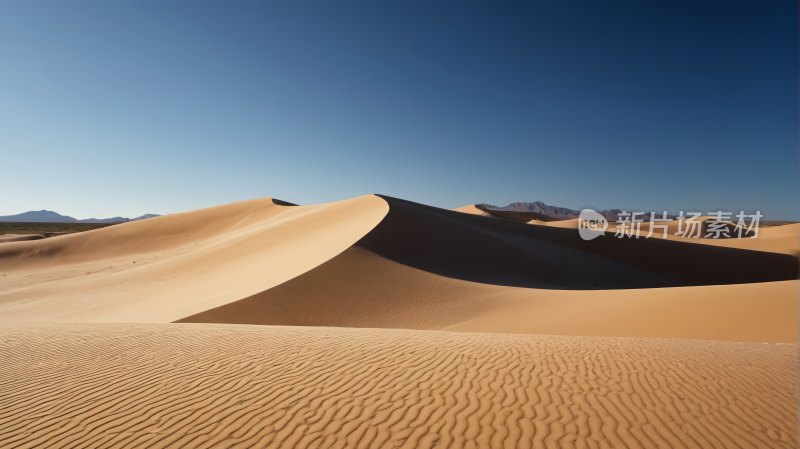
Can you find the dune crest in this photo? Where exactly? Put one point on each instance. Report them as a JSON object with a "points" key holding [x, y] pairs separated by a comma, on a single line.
{"points": [[380, 262], [165, 268], [471, 209]]}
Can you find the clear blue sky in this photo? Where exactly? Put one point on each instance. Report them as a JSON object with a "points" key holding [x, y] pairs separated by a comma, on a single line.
{"points": [[126, 107]]}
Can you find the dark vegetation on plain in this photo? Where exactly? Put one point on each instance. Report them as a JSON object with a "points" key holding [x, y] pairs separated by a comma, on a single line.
{"points": [[48, 229]]}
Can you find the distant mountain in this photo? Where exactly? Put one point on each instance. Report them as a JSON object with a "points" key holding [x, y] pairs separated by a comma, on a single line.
{"points": [[561, 213], [39, 216], [540, 208], [100, 220], [48, 216]]}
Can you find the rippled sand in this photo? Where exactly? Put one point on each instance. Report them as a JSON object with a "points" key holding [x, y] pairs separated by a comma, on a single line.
{"points": [[226, 386]]}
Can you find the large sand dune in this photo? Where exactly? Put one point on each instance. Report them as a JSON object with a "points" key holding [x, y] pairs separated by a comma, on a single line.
{"points": [[380, 262], [534, 355], [222, 386], [504, 252], [166, 268], [358, 288]]}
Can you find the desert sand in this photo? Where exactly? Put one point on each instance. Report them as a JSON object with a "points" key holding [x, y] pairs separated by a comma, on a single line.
{"points": [[165, 268], [202, 386], [384, 262], [781, 239], [343, 291], [378, 322], [471, 209], [19, 237]]}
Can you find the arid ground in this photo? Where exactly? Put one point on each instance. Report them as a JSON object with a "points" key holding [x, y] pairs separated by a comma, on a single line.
{"points": [[377, 322]]}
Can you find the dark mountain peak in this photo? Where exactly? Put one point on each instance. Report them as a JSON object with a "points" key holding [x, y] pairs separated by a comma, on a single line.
{"points": [[561, 213], [538, 207]]}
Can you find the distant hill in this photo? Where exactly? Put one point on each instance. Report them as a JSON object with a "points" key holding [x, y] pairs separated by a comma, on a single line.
{"points": [[142, 217], [540, 208], [48, 216], [562, 213]]}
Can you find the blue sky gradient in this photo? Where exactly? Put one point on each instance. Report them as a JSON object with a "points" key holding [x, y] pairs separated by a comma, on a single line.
{"points": [[129, 107]]}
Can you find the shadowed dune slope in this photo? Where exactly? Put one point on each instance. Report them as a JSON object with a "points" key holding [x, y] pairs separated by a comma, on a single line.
{"points": [[503, 252], [524, 217], [212, 386], [358, 288], [166, 268], [283, 203]]}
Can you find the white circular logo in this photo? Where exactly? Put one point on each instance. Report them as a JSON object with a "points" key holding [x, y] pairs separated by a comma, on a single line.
{"points": [[591, 224]]}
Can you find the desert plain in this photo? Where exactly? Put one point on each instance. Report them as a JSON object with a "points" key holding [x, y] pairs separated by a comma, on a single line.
{"points": [[376, 322]]}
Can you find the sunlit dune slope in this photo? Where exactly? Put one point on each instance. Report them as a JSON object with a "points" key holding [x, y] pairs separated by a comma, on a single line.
{"points": [[470, 209], [204, 386], [765, 312], [781, 239], [503, 252], [166, 268], [142, 237], [358, 288]]}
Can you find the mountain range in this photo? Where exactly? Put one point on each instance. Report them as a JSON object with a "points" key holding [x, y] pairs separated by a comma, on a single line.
{"points": [[48, 216], [562, 213]]}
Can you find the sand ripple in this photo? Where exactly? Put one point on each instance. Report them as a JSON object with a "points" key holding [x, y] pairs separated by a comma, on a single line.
{"points": [[228, 386]]}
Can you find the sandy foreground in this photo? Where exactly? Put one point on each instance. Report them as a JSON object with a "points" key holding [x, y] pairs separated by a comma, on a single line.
{"points": [[377, 322], [211, 385]]}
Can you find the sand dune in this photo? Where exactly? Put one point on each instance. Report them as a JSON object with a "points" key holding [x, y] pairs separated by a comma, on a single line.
{"points": [[19, 237], [358, 288], [765, 312], [508, 215], [367, 286], [503, 252], [471, 209], [566, 224], [166, 268], [380, 262], [523, 217], [781, 239], [203, 386]]}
